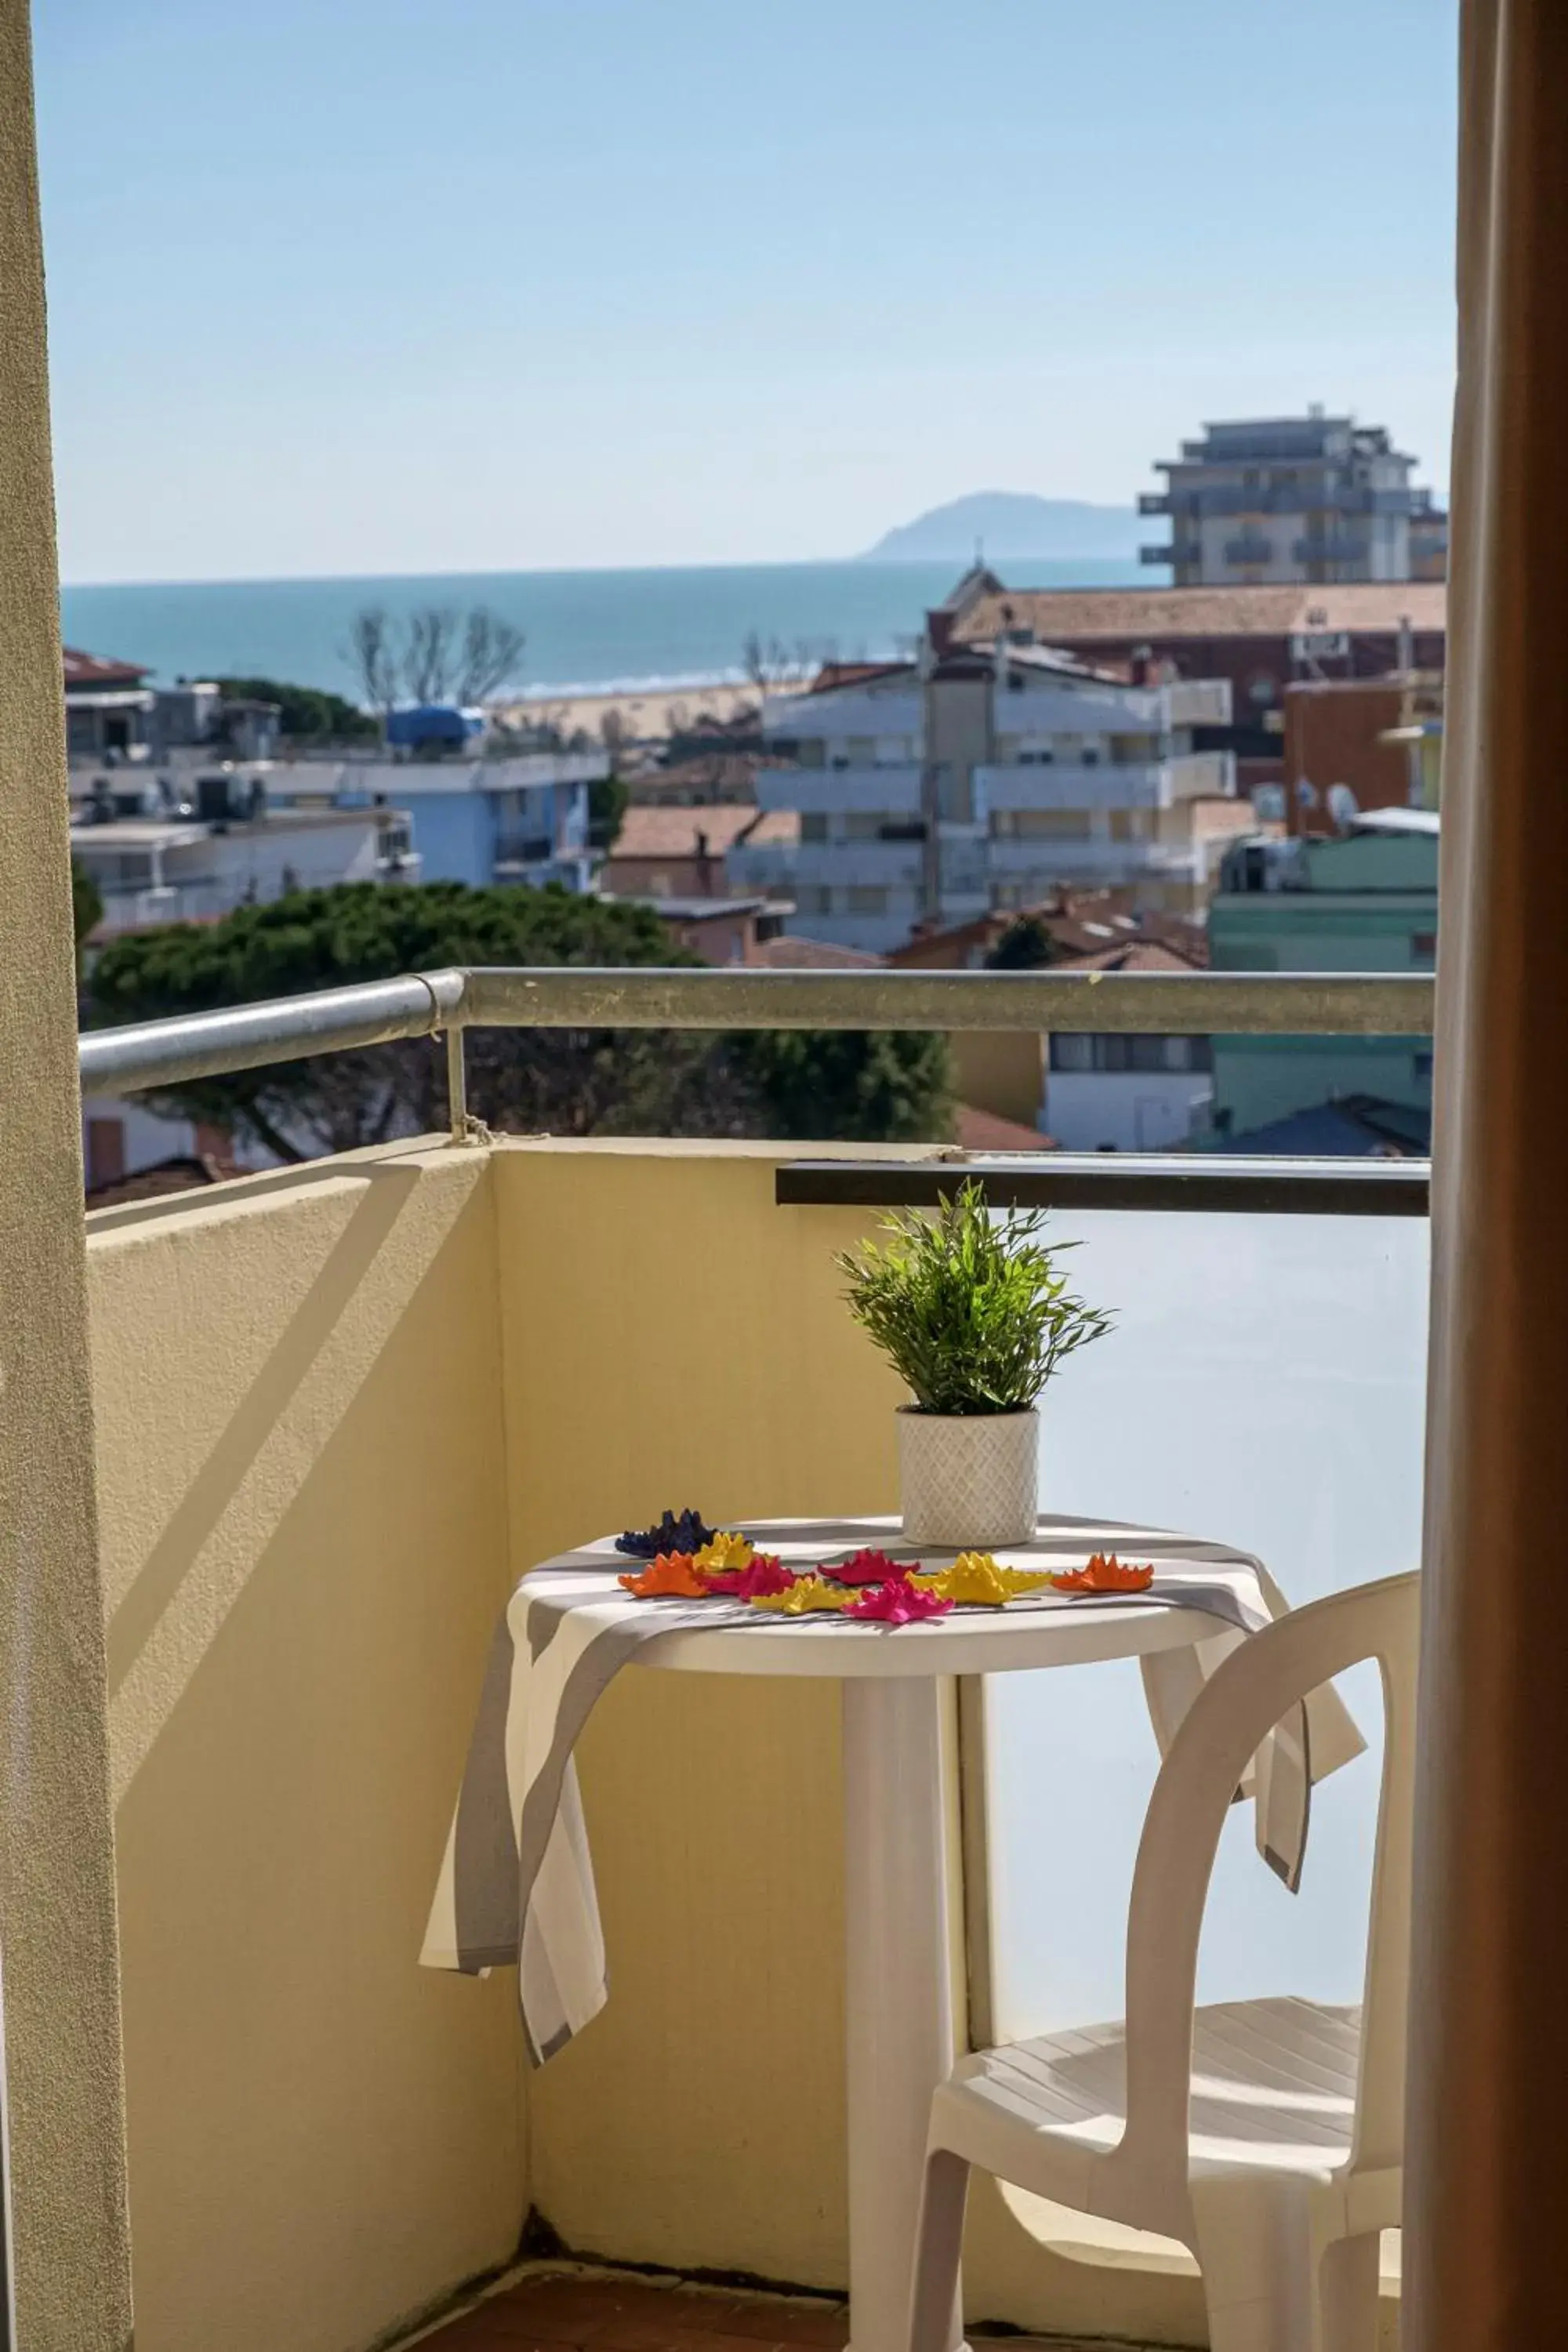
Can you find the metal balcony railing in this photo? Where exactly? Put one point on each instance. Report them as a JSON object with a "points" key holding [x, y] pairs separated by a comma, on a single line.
{"points": [[420, 1004], [1335, 548]]}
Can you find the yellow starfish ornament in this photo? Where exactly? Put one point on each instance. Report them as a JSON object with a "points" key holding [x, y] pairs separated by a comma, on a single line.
{"points": [[724, 1555], [808, 1592], [976, 1581]]}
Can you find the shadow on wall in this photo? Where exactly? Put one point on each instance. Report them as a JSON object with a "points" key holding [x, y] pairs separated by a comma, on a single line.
{"points": [[298, 1423]]}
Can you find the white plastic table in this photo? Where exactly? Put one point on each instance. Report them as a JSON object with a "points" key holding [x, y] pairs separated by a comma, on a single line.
{"points": [[898, 1994]]}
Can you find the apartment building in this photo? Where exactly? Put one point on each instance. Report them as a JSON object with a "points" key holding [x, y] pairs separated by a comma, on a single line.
{"points": [[518, 817], [1364, 901], [1087, 1092], [980, 780], [1263, 640], [114, 718], [232, 847], [1354, 745], [1314, 497]]}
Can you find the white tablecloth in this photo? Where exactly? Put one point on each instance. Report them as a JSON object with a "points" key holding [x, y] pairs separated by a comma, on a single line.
{"points": [[516, 1883]]}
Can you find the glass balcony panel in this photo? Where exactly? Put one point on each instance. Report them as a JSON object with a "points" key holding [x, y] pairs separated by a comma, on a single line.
{"points": [[1264, 1386]]}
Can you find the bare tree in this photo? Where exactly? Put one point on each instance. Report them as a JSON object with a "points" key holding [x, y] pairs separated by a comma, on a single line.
{"points": [[372, 657], [769, 664], [439, 655], [491, 656], [430, 653], [760, 659]]}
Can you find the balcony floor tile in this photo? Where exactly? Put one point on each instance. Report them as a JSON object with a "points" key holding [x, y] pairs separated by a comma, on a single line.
{"points": [[569, 2313]]}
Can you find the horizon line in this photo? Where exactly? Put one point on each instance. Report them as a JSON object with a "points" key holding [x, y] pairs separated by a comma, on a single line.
{"points": [[576, 570]]}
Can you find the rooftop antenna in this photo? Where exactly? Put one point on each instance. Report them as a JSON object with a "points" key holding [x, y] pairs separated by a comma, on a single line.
{"points": [[979, 553]]}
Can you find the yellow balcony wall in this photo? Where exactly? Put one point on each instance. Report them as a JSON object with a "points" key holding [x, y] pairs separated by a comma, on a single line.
{"points": [[339, 1408], [303, 1498]]}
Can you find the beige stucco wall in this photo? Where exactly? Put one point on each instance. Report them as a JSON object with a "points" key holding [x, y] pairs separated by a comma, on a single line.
{"points": [[671, 1336], [57, 1874], [303, 1499]]}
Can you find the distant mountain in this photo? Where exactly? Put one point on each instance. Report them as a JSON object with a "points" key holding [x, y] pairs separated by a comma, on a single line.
{"points": [[1011, 526]]}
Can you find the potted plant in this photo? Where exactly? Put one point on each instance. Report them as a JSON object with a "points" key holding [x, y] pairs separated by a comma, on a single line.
{"points": [[970, 1310]]}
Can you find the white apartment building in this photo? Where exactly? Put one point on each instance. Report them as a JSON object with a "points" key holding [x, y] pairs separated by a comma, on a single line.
{"points": [[515, 818], [1281, 499], [155, 868], [233, 848], [934, 792]]}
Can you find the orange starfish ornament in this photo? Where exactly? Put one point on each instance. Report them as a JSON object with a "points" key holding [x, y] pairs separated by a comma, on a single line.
{"points": [[1104, 1573], [668, 1576]]}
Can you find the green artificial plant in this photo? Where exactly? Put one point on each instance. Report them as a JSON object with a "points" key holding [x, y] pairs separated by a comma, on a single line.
{"points": [[969, 1307]]}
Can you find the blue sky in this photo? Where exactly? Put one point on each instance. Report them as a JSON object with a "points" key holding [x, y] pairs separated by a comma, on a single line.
{"points": [[356, 285]]}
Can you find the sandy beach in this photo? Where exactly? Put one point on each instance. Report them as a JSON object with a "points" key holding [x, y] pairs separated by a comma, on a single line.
{"points": [[638, 714]]}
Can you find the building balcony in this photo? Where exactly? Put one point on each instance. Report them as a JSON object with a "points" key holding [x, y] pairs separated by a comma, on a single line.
{"points": [[1251, 548], [1161, 553], [196, 898], [1336, 548], [848, 792], [360, 775], [895, 865], [339, 1408], [1154, 502], [1199, 702], [1110, 784], [1195, 502], [1200, 775], [1093, 859], [1207, 501], [520, 852], [1103, 786]]}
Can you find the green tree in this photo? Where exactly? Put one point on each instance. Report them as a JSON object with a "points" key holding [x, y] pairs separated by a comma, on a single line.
{"points": [[307, 713], [608, 1082], [1024, 946], [878, 1085], [609, 798]]}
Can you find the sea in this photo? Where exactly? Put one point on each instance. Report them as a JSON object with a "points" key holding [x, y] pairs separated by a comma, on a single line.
{"points": [[585, 631]]}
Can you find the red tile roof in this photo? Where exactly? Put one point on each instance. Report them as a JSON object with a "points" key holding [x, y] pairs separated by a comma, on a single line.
{"points": [[1068, 615], [91, 669], [1132, 955], [836, 674], [786, 954], [1080, 922], [983, 1130], [648, 830]]}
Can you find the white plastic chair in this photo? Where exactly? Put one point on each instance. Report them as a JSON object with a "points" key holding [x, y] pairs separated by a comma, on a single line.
{"points": [[1268, 2136]]}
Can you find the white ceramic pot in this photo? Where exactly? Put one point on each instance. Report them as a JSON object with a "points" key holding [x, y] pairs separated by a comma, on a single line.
{"points": [[968, 1480]]}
